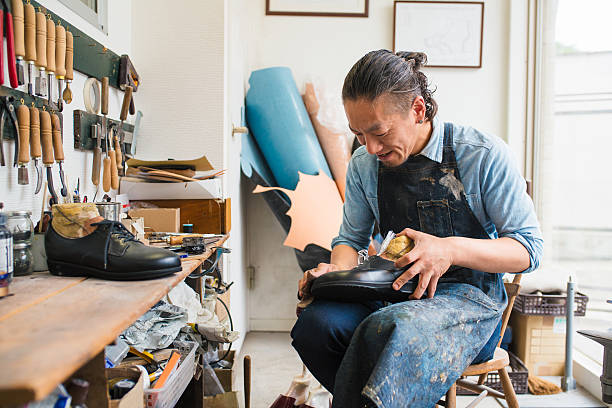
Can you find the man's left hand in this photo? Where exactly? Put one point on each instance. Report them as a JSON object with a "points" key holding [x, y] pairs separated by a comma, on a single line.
{"points": [[431, 258]]}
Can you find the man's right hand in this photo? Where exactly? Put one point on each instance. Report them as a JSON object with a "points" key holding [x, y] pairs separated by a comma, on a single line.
{"points": [[310, 275]]}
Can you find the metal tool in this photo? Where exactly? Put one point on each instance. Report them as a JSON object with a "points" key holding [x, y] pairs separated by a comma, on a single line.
{"points": [[18, 23], [40, 84], [113, 154], [97, 154], [35, 148], [127, 97], [30, 43], [135, 133], [7, 19], [6, 105], [46, 139], [106, 176], [60, 62], [23, 117], [67, 94], [58, 150], [50, 59], [128, 77]]}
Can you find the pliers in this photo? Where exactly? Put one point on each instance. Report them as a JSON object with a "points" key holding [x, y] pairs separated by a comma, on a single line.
{"points": [[6, 21], [6, 105]]}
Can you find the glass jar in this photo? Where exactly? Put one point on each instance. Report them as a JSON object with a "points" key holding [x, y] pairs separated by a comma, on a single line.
{"points": [[6, 256], [20, 225], [22, 259]]}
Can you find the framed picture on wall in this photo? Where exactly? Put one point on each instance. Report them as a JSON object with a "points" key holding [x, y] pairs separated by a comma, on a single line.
{"points": [[320, 8], [450, 33]]}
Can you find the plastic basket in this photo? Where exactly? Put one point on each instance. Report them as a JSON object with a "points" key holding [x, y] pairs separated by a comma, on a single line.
{"points": [[552, 305], [169, 394], [518, 377]]}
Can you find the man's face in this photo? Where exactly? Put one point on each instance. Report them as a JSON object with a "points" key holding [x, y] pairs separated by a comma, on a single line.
{"points": [[389, 134]]}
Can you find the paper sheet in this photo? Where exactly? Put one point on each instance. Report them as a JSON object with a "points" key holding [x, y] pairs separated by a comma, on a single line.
{"points": [[316, 211]]}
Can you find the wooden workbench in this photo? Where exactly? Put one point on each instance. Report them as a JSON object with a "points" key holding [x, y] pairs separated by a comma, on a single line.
{"points": [[51, 326]]}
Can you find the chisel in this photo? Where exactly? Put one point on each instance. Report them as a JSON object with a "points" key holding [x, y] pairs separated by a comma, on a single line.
{"points": [[67, 94], [18, 23], [97, 155], [46, 139], [60, 62], [120, 147], [50, 59], [35, 149], [41, 54], [113, 165], [106, 176], [30, 44], [58, 150], [23, 120]]}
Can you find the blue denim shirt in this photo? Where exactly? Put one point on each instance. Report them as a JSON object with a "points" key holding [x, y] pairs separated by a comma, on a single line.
{"points": [[494, 188]]}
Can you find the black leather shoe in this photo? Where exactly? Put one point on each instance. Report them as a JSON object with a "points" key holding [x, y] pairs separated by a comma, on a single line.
{"points": [[372, 280], [110, 252]]}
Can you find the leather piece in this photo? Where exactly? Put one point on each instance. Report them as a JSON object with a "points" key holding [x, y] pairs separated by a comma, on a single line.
{"points": [[127, 259]]}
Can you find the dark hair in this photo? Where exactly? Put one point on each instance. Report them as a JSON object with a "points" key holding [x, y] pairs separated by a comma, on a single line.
{"points": [[398, 75]]}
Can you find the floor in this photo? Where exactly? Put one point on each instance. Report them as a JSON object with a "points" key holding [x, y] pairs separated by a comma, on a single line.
{"points": [[274, 363]]}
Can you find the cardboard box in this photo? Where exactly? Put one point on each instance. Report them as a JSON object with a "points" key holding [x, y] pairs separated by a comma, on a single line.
{"points": [[540, 342], [159, 219], [135, 397], [204, 189], [225, 400], [227, 376]]}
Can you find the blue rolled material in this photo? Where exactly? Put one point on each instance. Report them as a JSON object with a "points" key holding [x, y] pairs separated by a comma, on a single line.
{"points": [[278, 120]]}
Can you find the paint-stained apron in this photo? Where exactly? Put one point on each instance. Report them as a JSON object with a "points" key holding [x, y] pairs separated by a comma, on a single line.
{"points": [[408, 354]]}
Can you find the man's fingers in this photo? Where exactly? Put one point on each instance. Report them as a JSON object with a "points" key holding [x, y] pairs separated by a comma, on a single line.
{"points": [[424, 279], [410, 233], [406, 276], [433, 285], [409, 258]]}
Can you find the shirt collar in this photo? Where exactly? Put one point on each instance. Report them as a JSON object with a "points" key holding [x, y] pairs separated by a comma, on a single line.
{"points": [[434, 148]]}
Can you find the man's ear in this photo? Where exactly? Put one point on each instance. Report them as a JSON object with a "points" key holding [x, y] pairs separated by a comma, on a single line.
{"points": [[418, 108]]}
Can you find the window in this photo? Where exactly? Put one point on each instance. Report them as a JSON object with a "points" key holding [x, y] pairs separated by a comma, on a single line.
{"points": [[93, 11], [574, 152]]}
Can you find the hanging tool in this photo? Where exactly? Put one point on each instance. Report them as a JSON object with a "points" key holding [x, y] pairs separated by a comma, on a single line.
{"points": [[135, 133], [58, 150], [41, 54], [18, 22], [106, 164], [120, 147], [67, 95], [113, 154], [50, 59], [35, 149], [97, 154], [128, 77], [60, 62], [6, 19], [30, 44], [106, 177], [6, 105], [46, 139], [23, 118]]}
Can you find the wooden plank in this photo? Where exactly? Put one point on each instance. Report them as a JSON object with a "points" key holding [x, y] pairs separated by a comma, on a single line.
{"points": [[44, 344]]}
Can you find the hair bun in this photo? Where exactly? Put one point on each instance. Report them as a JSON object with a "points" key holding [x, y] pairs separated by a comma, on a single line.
{"points": [[416, 59]]}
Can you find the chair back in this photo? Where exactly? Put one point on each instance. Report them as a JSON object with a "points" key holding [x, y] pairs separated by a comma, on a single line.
{"points": [[512, 289]]}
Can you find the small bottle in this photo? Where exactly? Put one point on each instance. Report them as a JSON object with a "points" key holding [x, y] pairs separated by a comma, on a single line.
{"points": [[6, 255]]}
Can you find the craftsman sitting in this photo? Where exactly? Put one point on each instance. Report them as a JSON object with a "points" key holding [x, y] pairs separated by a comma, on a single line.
{"points": [[458, 194]]}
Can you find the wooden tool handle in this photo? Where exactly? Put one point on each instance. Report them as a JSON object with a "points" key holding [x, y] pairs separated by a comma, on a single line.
{"points": [[105, 96], [58, 144], [46, 137], [127, 97], [50, 46], [113, 169], [95, 170], [118, 155], [41, 40], [30, 33], [18, 24], [69, 55], [247, 381], [23, 118], [35, 149], [106, 176], [60, 51]]}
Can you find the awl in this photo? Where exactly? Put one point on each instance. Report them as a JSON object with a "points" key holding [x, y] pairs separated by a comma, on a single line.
{"points": [[35, 148], [58, 150], [46, 139]]}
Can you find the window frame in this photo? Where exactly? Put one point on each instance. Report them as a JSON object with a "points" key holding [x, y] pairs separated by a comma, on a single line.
{"points": [[97, 19]]}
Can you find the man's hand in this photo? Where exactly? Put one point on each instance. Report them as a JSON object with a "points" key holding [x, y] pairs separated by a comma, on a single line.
{"points": [[306, 282], [431, 257]]}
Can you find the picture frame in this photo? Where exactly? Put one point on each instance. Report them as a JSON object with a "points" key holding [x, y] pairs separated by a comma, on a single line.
{"points": [[450, 33], [318, 8]]}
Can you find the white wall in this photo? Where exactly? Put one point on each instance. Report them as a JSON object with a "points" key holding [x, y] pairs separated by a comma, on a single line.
{"points": [[324, 48], [77, 163]]}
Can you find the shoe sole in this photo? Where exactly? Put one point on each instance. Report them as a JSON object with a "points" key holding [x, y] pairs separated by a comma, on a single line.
{"points": [[59, 268], [355, 291]]}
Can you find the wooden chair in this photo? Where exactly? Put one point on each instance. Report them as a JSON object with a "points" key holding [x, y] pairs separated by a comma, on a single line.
{"points": [[498, 363]]}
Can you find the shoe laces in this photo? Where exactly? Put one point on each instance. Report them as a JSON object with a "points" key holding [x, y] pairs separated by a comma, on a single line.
{"points": [[114, 228]]}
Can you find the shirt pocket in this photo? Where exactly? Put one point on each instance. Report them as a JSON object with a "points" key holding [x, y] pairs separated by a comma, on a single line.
{"points": [[434, 217]]}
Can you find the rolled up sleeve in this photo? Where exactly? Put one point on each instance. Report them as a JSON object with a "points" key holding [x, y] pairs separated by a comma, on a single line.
{"points": [[358, 218], [507, 203]]}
